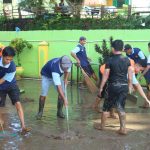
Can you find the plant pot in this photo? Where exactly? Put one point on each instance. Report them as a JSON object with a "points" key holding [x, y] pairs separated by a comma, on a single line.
{"points": [[19, 72]]}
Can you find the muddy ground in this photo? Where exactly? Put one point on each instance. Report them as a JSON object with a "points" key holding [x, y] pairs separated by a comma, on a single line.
{"points": [[51, 133]]}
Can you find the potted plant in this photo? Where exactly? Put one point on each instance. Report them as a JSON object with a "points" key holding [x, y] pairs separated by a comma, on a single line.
{"points": [[104, 51], [19, 45]]}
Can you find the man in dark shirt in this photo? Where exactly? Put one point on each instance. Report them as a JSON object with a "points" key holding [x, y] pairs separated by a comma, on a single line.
{"points": [[8, 84], [116, 72]]}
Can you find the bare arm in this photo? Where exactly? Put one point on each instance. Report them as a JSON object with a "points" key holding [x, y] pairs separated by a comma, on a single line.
{"points": [[104, 80], [130, 75], [75, 57], [145, 71], [66, 75], [61, 93]]}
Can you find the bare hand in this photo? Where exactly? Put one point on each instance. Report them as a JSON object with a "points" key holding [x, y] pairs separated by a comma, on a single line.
{"points": [[100, 93], [78, 63], [65, 103], [66, 82], [131, 89]]}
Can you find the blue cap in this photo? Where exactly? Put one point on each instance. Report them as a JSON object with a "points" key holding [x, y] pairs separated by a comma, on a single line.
{"points": [[82, 38]]}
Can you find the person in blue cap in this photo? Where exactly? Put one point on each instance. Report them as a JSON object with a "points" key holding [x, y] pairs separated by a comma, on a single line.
{"points": [[8, 85], [51, 74], [80, 55], [134, 53]]}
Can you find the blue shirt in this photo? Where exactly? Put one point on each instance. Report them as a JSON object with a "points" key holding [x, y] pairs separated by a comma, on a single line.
{"points": [[53, 70], [80, 52], [136, 55], [7, 72]]}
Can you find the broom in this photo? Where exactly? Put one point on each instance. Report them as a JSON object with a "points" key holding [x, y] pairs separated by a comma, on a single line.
{"points": [[91, 86]]}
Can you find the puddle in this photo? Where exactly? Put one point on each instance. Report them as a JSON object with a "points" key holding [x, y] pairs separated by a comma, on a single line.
{"points": [[51, 132]]}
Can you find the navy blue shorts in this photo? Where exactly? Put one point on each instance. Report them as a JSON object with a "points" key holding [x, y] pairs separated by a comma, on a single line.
{"points": [[88, 69], [13, 93]]}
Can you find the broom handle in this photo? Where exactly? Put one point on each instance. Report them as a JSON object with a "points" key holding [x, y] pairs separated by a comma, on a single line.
{"points": [[67, 115], [84, 73], [67, 101]]}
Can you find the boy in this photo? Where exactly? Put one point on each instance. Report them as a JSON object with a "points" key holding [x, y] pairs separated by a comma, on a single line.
{"points": [[8, 83]]}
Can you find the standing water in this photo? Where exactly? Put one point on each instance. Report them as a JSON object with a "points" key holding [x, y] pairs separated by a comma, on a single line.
{"points": [[50, 132]]}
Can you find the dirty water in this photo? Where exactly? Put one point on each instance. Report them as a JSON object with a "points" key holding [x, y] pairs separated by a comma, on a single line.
{"points": [[51, 133]]}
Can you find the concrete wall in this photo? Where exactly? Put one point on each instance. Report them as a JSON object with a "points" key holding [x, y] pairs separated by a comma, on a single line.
{"points": [[62, 42]]}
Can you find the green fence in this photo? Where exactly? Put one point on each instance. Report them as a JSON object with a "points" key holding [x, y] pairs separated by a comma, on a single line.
{"points": [[62, 42]]}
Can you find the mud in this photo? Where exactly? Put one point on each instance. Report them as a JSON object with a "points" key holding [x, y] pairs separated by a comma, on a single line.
{"points": [[51, 133]]}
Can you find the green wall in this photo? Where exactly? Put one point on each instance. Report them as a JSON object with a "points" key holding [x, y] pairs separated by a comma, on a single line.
{"points": [[62, 42]]}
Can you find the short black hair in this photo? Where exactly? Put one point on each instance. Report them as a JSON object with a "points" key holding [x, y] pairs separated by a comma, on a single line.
{"points": [[117, 45], [127, 46], [8, 51], [149, 44]]}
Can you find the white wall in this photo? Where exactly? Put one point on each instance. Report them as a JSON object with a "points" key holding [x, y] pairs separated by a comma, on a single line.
{"points": [[141, 3]]}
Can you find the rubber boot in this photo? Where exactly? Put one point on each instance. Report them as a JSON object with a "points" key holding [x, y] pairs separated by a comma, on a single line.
{"points": [[122, 119], [60, 104], [41, 107]]}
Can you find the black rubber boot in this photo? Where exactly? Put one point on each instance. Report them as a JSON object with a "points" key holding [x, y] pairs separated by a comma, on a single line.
{"points": [[60, 104], [41, 107]]}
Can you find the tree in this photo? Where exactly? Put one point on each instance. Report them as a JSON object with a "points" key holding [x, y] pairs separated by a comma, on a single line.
{"points": [[74, 5], [35, 6]]}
